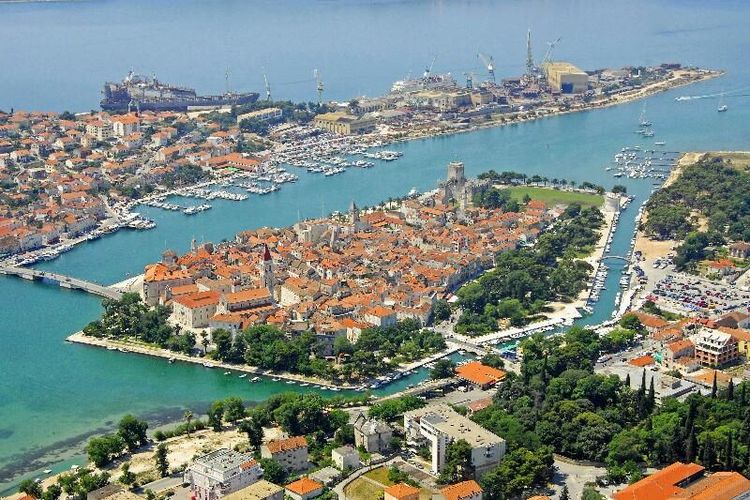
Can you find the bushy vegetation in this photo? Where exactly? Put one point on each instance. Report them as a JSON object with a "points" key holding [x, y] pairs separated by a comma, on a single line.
{"points": [[268, 347], [524, 280], [130, 319], [709, 189]]}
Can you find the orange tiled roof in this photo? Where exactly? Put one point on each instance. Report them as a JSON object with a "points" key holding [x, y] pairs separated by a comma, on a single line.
{"points": [[303, 486], [462, 490], [199, 299], [660, 485], [401, 490], [477, 373], [642, 361], [718, 486], [292, 443]]}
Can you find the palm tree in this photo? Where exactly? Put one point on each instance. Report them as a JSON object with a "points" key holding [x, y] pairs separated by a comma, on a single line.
{"points": [[188, 417]]}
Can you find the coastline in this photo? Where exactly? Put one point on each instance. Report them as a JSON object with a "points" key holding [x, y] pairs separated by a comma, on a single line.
{"points": [[685, 78]]}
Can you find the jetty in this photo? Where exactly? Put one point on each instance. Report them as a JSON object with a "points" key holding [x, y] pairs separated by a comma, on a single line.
{"points": [[62, 281]]}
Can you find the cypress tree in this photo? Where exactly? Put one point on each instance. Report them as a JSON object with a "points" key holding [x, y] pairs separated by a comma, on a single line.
{"points": [[690, 418], [730, 390], [565, 494], [691, 447], [677, 444], [714, 387], [643, 381], [729, 453], [742, 394], [707, 460], [627, 381], [651, 400]]}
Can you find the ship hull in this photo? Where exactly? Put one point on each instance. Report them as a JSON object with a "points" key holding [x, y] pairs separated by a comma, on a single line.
{"points": [[181, 105]]}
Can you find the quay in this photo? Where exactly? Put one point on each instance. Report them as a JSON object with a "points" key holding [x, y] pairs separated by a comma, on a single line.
{"points": [[62, 281]]}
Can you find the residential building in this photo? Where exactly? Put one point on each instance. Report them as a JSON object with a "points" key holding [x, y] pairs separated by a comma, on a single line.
{"points": [[465, 490], [304, 488], [739, 250], [687, 481], [260, 490], [343, 123], [675, 350], [99, 129], [291, 452], [715, 348], [479, 375], [345, 457], [125, 125], [327, 475], [401, 491], [439, 425], [220, 473], [372, 434]]}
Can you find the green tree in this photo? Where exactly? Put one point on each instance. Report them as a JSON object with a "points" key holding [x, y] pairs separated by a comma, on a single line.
{"points": [[133, 432], [457, 463], [520, 471], [102, 450], [160, 457], [215, 415], [127, 477], [53, 492], [234, 409], [188, 418], [444, 368], [441, 311], [273, 471], [254, 432], [31, 488], [565, 494]]}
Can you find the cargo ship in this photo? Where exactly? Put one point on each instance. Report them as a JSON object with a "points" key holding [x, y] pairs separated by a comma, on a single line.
{"points": [[147, 93]]}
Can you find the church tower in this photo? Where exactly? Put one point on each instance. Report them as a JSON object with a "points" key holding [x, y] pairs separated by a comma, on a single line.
{"points": [[266, 270], [353, 214]]}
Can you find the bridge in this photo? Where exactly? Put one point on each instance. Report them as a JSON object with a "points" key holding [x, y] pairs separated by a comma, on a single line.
{"points": [[618, 257], [61, 280]]}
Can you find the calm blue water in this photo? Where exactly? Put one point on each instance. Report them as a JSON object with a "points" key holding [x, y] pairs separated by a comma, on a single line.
{"points": [[56, 55]]}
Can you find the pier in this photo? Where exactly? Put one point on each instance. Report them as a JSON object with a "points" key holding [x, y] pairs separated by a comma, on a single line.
{"points": [[61, 280]]}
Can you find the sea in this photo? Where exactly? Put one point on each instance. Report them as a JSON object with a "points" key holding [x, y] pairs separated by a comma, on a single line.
{"points": [[56, 56]]}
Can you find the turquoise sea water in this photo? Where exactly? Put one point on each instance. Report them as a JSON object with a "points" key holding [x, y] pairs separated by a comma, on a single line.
{"points": [[56, 55]]}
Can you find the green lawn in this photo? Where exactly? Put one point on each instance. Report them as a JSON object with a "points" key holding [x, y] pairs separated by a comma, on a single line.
{"points": [[380, 475], [362, 489], [552, 197]]}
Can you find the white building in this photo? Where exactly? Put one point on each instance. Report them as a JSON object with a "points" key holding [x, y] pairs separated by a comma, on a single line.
{"points": [[195, 310], [291, 452], [220, 473], [345, 456], [371, 434], [261, 490], [439, 425]]}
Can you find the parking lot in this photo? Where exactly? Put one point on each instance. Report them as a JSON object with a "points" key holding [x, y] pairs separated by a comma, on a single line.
{"points": [[684, 293]]}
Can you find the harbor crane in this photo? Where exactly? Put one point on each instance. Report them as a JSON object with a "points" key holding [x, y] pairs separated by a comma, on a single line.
{"points": [[428, 69], [268, 87], [530, 68], [489, 63], [469, 80], [550, 47], [319, 85]]}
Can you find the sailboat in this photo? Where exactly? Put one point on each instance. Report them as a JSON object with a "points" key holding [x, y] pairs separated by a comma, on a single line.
{"points": [[644, 121], [722, 107]]}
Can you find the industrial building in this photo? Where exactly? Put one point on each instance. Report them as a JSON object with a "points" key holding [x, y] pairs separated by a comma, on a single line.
{"points": [[565, 78], [343, 123]]}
